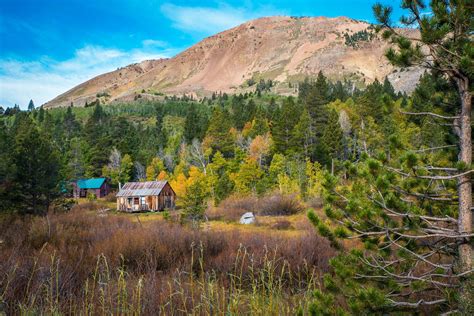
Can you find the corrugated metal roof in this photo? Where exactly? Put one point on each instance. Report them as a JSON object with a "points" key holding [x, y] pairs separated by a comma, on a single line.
{"points": [[142, 188], [94, 183]]}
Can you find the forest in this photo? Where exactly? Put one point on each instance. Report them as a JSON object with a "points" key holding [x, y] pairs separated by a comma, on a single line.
{"points": [[382, 178], [246, 144]]}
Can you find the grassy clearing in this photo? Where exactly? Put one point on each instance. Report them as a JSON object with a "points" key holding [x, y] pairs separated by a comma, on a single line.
{"points": [[91, 262]]}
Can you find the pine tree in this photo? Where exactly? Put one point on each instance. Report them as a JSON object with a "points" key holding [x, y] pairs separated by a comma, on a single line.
{"points": [[70, 126], [315, 104], [388, 88], [410, 209], [218, 136], [35, 174], [301, 137], [6, 145], [238, 112], [259, 126], [31, 106], [283, 125], [192, 128], [195, 202], [96, 135], [332, 139]]}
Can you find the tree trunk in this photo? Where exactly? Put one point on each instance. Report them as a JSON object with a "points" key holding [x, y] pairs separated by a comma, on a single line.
{"points": [[465, 188], [464, 182]]}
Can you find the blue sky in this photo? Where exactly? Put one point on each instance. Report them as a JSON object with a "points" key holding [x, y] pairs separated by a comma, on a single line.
{"points": [[49, 46]]}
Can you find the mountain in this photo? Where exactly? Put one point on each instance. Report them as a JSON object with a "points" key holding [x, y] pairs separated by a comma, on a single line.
{"points": [[283, 49]]}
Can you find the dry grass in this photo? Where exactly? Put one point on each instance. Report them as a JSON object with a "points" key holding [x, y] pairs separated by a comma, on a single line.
{"points": [[232, 208], [84, 263]]}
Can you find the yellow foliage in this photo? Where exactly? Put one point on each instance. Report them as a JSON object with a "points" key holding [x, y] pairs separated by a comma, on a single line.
{"points": [[247, 177], [154, 168], [179, 185], [163, 175], [246, 129], [286, 185], [260, 147], [315, 177]]}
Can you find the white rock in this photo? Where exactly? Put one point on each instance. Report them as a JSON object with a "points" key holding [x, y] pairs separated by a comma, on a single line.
{"points": [[247, 218]]}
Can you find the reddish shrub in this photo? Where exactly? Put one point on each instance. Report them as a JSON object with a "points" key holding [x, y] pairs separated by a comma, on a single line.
{"points": [[279, 204], [62, 251]]}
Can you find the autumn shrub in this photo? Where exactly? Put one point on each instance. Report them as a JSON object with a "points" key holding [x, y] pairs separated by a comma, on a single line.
{"points": [[110, 197], [86, 263], [278, 204], [232, 208]]}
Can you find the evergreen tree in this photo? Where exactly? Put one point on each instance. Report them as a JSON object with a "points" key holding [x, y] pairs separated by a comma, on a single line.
{"points": [[194, 202], [332, 139], [192, 128], [315, 104], [410, 209], [388, 88], [96, 135], [35, 169], [70, 126], [238, 111], [301, 138], [282, 129], [31, 106], [6, 173], [218, 136]]}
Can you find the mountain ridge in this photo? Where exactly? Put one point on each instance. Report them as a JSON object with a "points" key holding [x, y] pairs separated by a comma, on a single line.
{"points": [[280, 48]]}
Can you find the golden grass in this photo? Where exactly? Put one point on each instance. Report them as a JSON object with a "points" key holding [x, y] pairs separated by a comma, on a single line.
{"points": [[88, 262]]}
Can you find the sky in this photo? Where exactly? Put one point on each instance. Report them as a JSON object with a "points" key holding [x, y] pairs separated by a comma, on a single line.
{"points": [[49, 46]]}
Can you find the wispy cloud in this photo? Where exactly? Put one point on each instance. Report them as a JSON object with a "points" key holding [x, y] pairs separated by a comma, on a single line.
{"points": [[46, 78], [209, 20], [154, 43]]}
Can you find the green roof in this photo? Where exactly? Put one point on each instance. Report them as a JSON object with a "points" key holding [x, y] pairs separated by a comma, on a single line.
{"points": [[94, 183]]}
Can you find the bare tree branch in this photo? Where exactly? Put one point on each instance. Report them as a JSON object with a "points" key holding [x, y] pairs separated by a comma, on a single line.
{"points": [[431, 114]]}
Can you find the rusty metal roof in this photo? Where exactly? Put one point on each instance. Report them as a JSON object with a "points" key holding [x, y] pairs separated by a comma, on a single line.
{"points": [[142, 188]]}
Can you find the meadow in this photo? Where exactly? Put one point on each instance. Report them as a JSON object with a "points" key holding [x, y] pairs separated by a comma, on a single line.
{"points": [[89, 261]]}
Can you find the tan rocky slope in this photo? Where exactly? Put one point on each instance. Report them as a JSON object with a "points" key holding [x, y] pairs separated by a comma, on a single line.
{"points": [[284, 49]]}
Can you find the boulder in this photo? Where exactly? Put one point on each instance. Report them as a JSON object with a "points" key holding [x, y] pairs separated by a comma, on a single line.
{"points": [[247, 218]]}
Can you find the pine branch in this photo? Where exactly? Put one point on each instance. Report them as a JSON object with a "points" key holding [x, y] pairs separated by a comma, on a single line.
{"points": [[431, 114], [452, 177], [434, 148], [417, 304], [398, 214], [424, 196]]}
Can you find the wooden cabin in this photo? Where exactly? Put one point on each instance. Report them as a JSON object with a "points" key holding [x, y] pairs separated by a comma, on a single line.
{"points": [[146, 196], [97, 186]]}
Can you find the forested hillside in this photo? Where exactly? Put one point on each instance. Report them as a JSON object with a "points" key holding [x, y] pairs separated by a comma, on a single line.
{"points": [[251, 143]]}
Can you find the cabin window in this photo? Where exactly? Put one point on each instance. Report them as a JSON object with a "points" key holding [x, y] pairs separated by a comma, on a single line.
{"points": [[129, 200], [135, 201], [142, 200]]}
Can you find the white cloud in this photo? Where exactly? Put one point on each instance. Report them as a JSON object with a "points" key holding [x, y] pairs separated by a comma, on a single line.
{"points": [[46, 78], [209, 20], [154, 43]]}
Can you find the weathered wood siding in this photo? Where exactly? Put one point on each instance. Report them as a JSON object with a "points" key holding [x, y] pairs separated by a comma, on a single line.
{"points": [[165, 200]]}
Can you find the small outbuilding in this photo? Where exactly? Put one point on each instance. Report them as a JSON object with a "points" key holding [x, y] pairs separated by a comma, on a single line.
{"points": [[146, 196], [97, 186]]}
